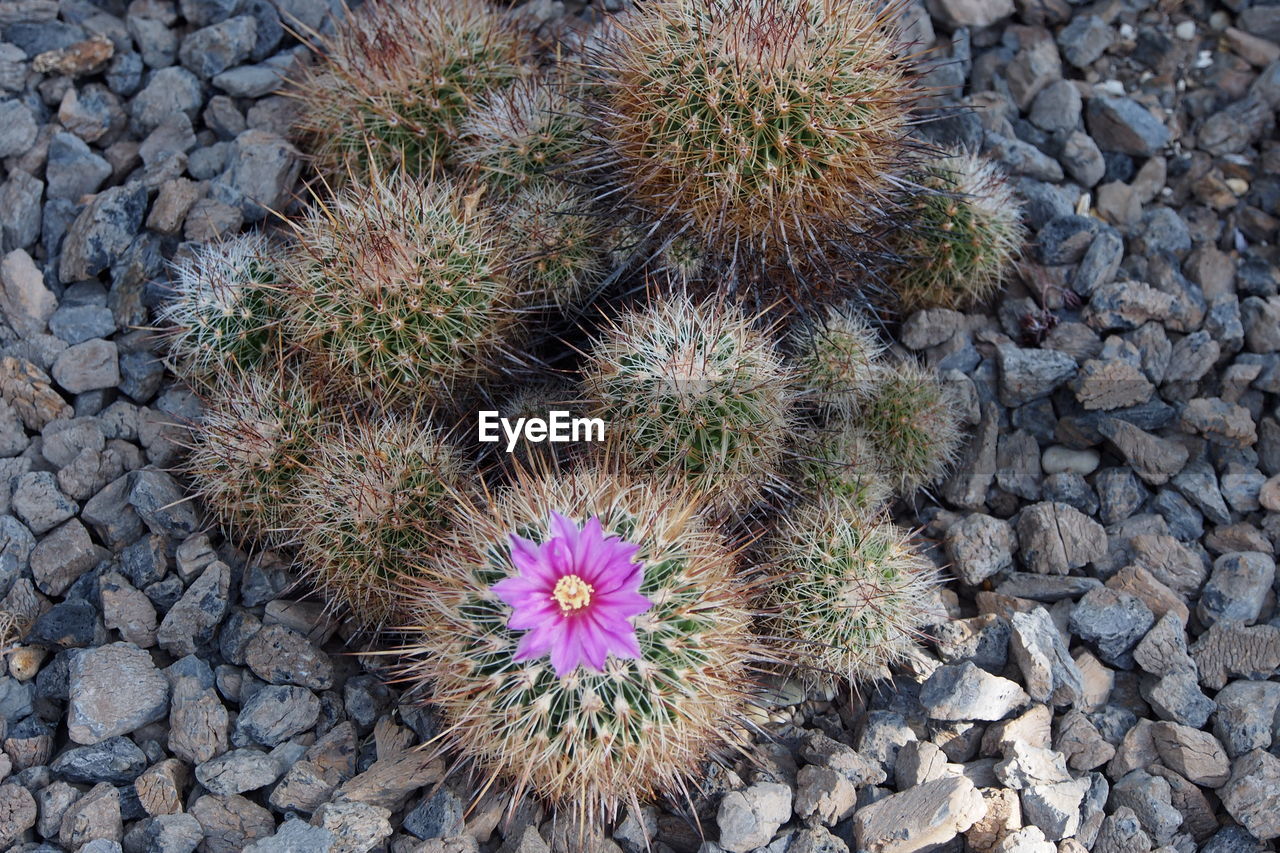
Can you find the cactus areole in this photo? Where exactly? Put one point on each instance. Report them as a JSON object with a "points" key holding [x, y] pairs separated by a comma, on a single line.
{"points": [[574, 596]]}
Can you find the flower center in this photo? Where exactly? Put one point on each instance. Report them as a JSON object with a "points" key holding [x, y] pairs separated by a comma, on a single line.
{"points": [[572, 593]]}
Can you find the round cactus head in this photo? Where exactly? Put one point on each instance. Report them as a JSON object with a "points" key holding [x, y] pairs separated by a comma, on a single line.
{"points": [[772, 129], [400, 293], [258, 433], [397, 79], [963, 229], [224, 312], [912, 421], [375, 497], [522, 133], [850, 594], [584, 640], [693, 393], [836, 359], [840, 461], [555, 245]]}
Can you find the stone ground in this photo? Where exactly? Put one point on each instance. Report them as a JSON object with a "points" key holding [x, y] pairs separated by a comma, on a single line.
{"points": [[1105, 678]]}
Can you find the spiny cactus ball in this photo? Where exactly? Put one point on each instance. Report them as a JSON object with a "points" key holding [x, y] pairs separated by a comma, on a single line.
{"points": [[912, 422], [224, 313], [850, 595], [964, 228], [693, 393], [375, 498], [397, 79], [840, 460], [836, 359], [585, 720], [400, 293], [770, 129], [256, 436], [555, 245], [522, 133]]}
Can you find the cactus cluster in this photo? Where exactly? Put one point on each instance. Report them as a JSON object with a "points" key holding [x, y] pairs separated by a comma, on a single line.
{"points": [[579, 232]]}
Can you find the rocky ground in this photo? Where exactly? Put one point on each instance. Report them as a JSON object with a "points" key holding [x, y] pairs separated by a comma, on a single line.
{"points": [[1106, 679]]}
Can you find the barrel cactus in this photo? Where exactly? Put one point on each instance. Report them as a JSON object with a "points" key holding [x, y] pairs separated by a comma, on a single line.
{"points": [[584, 639], [840, 460], [912, 421], [554, 243], [836, 357], [963, 229], [693, 393]]}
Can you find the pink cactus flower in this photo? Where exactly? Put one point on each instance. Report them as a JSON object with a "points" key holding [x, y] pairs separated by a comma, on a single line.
{"points": [[575, 595]]}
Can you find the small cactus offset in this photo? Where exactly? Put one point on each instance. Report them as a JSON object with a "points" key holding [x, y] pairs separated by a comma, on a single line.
{"points": [[584, 640], [963, 229], [840, 461], [398, 78], [694, 394], [836, 359], [522, 134], [375, 497], [911, 420], [769, 130], [258, 434], [850, 595], [554, 244], [400, 293], [224, 312]]}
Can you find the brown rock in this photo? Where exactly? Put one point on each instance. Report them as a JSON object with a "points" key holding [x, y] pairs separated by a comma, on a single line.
{"points": [[1169, 561], [1194, 754], [1138, 581], [230, 822], [175, 199], [390, 781], [83, 57], [1252, 794], [115, 689], [1081, 742], [1056, 537], [1164, 649], [127, 610], [1137, 750], [278, 655], [1098, 681], [1004, 815], [93, 816], [1228, 424], [1154, 459], [17, 812], [161, 787], [26, 388], [1108, 385], [1231, 650], [1254, 50], [920, 817], [198, 722], [1197, 813]]}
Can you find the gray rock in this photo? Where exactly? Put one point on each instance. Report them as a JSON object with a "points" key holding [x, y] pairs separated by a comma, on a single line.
{"points": [[1030, 374], [102, 232], [20, 212], [172, 833], [117, 760], [171, 90], [252, 81], [76, 324], [279, 655], [1252, 794], [1055, 808], [1055, 538], [1022, 158], [1085, 39], [1177, 697], [1124, 126], [1154, 459], [72, 169], [1082, 159], [1237, 588], [91, 113], [192, 621], [87, 366], [1261, 320], [1057, 107], [921, 818], [1113, 622], [157, 43], [1245, 716], [204, 12], [215, 48], [1100, 263], [1162, 232], [161, 504], [1121, 832], [262, 169], [1149, 798], [1049, 673], [749, 818], [39, 503], [356, 825], [276, 713], [297, 836], [62, 556], [238, 771], [965, 692], [98, 708], [18, 128], [439, 815], [979, 546], [1033, 67]]}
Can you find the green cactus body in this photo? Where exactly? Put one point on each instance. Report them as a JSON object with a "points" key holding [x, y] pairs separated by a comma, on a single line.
{"points": [[555, 241], [692, 393], [224, 313], [911, 420], [592, 741], [850, 594], [841, 461], [257, 435], [375, 498], [770, 129], [400, 293], [964, 228], [836, 359], [398, 78]]}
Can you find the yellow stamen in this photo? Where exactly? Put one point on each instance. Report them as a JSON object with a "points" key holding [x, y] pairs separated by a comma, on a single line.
{"points": [[572, 593]]}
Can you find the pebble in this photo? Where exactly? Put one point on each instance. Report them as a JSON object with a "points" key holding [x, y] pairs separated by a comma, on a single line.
{"points": [[965, 692], [921, 817], [1112, 621], [749, 818]]}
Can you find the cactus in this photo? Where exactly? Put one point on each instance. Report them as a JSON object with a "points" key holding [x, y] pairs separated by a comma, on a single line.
{"points": [[911, 420], [224, 313], [523, 133], [836, 360], [400, 293], [693, 393], [534, 399], [850, 595], [963, 229], [586, 738], [375, 497], [257, 435], [398, 78], [840, 461], [555, 245], [770, 130]]}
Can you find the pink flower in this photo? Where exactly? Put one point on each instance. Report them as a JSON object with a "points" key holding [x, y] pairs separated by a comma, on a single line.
{"points": [[574, 594]]}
